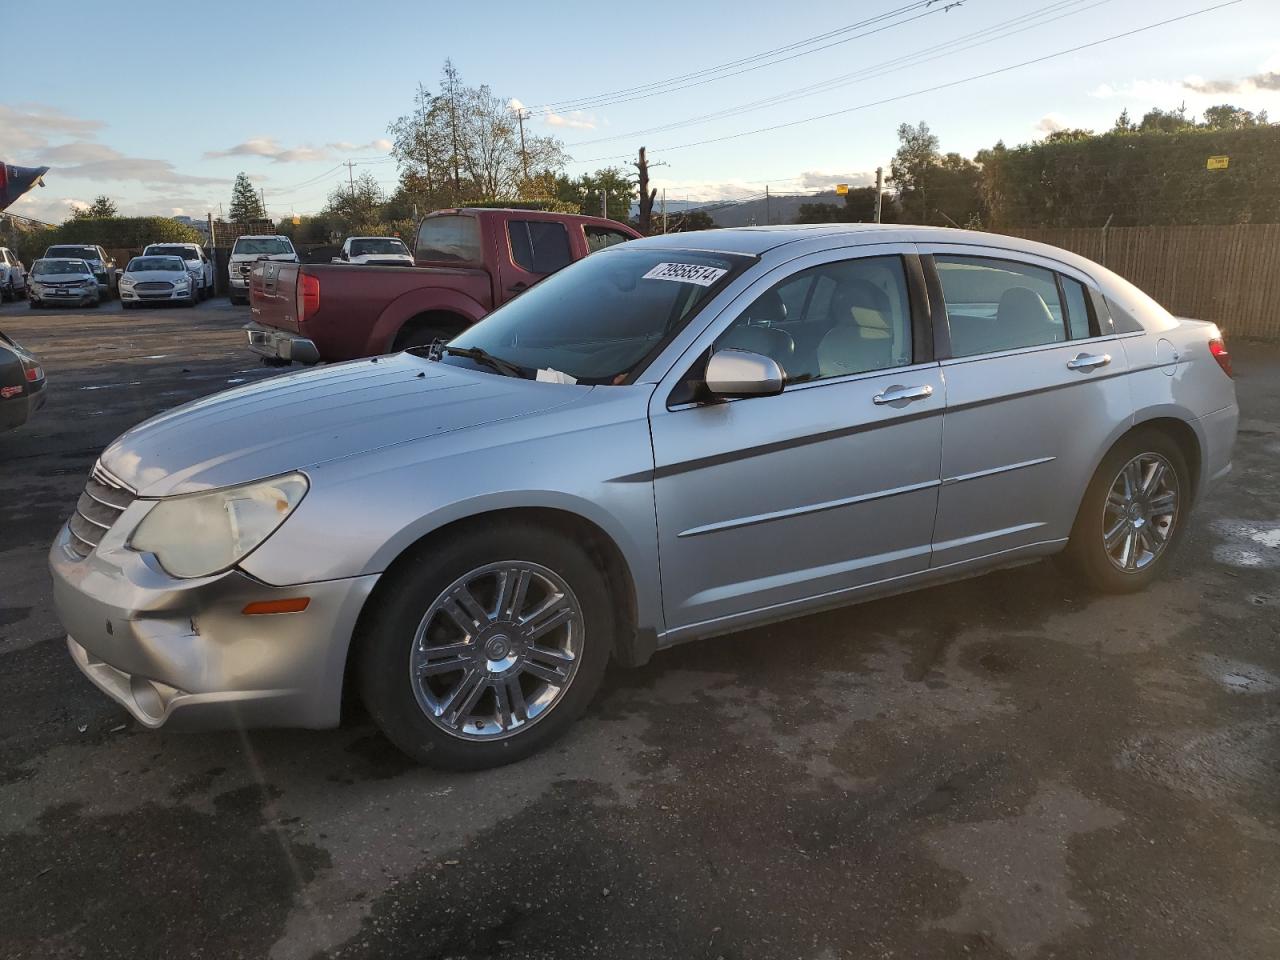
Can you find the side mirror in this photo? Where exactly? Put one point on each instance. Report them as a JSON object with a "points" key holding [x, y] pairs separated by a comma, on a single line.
{"points": [[741, 373]]}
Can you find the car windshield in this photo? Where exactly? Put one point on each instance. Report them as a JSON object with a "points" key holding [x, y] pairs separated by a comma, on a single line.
{"points": [[264, 246], [60, 268], [602, 318], [361, 248], [186, 253], [150, 264], [80, 253]]}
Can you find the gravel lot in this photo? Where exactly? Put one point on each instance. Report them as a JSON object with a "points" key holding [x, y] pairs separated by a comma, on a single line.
{"points": [[1007, 767]]}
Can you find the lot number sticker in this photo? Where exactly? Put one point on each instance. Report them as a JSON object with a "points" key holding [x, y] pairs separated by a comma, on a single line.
{"points": [[686, 273]]}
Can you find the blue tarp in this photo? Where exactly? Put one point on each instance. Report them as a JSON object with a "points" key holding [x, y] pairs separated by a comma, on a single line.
{"points": [[15, 181]]}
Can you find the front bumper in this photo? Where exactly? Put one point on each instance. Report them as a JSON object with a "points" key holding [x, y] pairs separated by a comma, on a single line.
{"points": [[182, 651], [275, 344], [152, 296], [79, 297]]}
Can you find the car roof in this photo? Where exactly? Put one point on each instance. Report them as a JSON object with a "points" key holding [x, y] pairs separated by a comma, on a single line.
{"points": [[756, 241], [172, 243], [262, 236]]}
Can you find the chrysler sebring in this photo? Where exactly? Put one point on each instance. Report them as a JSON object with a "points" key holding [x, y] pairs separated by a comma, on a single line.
{"points": [[676, 437]]}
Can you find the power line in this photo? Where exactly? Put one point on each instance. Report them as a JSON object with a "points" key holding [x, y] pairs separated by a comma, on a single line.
{"points": [[934, 88], [1019, 24], [748, 64]]}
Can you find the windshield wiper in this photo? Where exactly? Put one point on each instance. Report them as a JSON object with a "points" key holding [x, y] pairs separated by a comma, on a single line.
{"points": [[481, 356]]}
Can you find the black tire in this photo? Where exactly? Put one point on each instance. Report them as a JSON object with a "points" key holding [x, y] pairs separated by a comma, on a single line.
{"points": [[387, 636], [421, 337], [1086, 555], [7, 293], [192, 300], [33, 304]]}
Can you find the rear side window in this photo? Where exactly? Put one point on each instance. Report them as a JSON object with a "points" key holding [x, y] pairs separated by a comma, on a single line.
{"points": [[539, 246], [995, 305], [600, 237], [450, 239], [1077, 309]]}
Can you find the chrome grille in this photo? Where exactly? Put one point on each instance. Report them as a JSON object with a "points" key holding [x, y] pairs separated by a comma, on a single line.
{"points": [[100, 506], [153, 285]]}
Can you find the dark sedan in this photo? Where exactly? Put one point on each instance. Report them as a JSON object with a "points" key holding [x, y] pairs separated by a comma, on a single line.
{"points": [[22, 384]]}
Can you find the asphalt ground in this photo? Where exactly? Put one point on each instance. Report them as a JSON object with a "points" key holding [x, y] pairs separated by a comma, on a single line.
{"points": [[1008, 767]]}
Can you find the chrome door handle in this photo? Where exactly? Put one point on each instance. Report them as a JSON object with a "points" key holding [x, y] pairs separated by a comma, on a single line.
{"points": [[1085, 361], [894, 394]]}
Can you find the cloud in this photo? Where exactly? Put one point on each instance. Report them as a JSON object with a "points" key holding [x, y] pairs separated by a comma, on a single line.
{"points": [[31, 126], [97, 161], [818, 180], [575, 120], [1052, 123], [1269, 81], [268, 148]]}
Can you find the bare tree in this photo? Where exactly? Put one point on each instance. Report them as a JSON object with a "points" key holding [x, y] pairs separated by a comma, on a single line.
{"points": [[647, 195]]}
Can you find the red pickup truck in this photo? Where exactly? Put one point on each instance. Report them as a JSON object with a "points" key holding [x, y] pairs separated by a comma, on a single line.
{"points": [[467, 262]]}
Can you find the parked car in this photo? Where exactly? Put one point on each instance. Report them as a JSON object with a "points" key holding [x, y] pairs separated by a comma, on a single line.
{"points": [[246, 251], [158, 279], [475, 260], [22, 384], [104, 266], [679, 437], [198, 263], [63, 280], [375, 251], [13, 276]]}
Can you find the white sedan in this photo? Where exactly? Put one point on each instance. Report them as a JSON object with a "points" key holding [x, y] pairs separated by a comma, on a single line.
{"points": [[157, 280]]}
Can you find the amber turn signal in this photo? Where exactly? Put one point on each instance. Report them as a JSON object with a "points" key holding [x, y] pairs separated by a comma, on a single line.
{"points": [[292, 605]]}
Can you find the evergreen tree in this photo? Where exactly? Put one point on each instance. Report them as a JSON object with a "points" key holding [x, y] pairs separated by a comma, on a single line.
{"points": [[246, 207]]}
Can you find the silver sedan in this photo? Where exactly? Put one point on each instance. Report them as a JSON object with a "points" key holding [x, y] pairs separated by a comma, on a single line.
{"points": [[677, 437]]}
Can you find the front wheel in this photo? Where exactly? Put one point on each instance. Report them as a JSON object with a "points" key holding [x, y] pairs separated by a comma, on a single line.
{"points": [[485, 648], [1132, 515]]}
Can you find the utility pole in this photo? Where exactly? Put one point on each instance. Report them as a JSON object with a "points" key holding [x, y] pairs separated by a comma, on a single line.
{"points": [[351, 178], [879, 190], [521, 116], [768, 215], [664, 209]]}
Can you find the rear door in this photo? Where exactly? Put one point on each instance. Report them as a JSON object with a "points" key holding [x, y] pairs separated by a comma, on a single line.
{"points": [[773, 502], [1034, 390], [531, 249]]}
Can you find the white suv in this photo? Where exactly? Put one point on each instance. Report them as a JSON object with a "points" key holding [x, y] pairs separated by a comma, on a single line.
{"points": [[198, 264], [248, 250], [13, 276], [380, 251]]}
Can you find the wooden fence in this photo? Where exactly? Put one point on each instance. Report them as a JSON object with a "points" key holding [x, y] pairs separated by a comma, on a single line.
{"points": [[1227, 274]]}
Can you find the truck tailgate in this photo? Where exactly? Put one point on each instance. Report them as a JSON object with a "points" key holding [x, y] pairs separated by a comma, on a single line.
{"points": [[273, 294]]}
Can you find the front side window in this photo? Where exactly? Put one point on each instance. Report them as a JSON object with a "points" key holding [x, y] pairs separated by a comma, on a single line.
{"points": [[853, 316], [450, 239], [601, 319], [539, 246], [600, 237], [995, 305]]}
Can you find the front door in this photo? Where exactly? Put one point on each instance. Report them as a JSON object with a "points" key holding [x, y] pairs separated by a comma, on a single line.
{"points": [[1034, 389], [770, 503]]}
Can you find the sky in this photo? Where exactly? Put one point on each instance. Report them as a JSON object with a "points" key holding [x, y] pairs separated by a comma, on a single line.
{"points": [[159, 108]]}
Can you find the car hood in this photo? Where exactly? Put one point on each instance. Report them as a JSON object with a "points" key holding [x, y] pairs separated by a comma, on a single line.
{"points": [[296, 421], [142, 276]]}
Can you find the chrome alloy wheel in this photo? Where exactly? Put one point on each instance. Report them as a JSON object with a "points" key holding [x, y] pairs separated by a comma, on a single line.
{"points": [[496, 650], [1140, 512]]}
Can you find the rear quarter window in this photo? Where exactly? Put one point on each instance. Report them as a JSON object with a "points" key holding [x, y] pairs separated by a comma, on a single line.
{"points": [[449, 239]]}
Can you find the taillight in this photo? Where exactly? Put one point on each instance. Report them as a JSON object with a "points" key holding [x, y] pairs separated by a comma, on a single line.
{"points": [[308, 295], [1220, 353], [33, 371]]}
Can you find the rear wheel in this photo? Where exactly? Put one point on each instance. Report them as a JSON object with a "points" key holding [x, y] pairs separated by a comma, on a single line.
{"points": [[1132, 515], [7, 292], [421, 337], [485, 648]]}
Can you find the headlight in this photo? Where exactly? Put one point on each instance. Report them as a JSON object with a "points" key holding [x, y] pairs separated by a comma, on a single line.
{"points": [[206, 533], [182, 283], [126, 281]]}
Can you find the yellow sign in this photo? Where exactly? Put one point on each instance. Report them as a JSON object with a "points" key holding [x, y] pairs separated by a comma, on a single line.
{"points": [[1218, 163], [296, 220], [842, 189]]}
